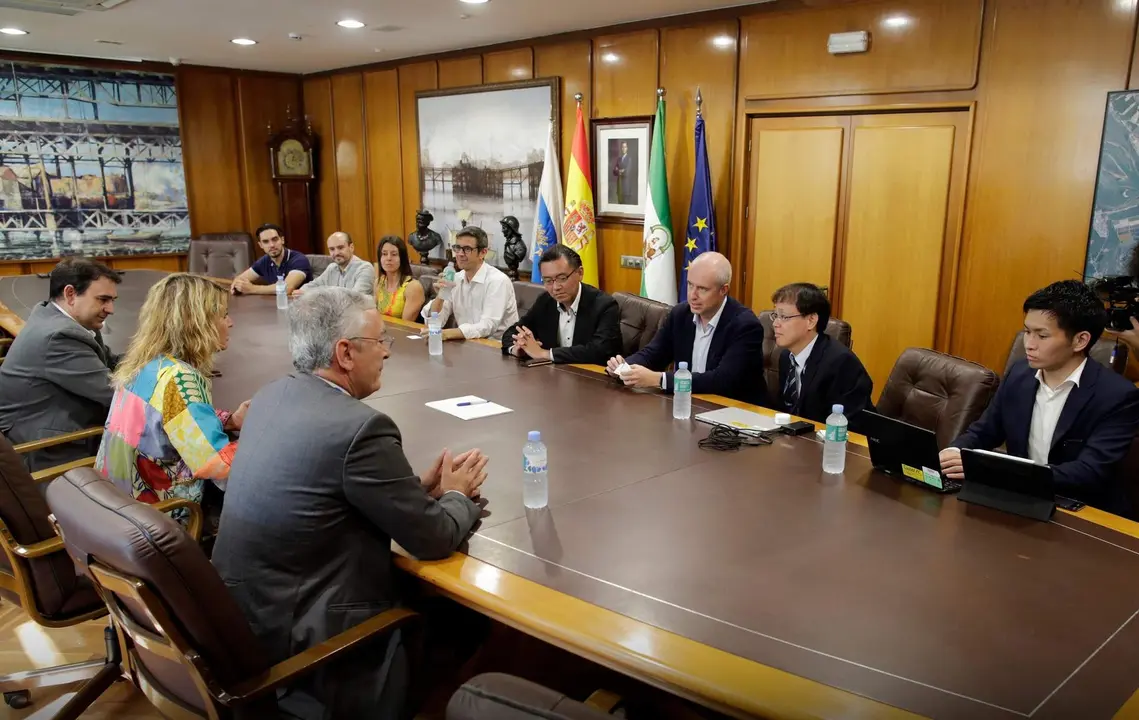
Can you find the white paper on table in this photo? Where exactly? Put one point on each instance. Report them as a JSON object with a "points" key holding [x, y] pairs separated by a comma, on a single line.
{"points": [[468, 412]]}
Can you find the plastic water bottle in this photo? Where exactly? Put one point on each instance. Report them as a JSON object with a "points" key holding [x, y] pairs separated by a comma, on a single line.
{"points": [[449, 276], [535, 483], [682, 392], [282, 295], [434, 335], [834, 447]]}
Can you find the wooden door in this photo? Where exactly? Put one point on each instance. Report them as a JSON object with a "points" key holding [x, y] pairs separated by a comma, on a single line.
{"points": [[794, 211], [897, 259]]}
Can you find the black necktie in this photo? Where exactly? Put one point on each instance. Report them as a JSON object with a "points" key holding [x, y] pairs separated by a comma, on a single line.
{"points": [[791, 388]]}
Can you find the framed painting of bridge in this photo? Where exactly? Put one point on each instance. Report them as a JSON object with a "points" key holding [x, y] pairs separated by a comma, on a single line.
{"points": [[90, 163], [481, 154]]}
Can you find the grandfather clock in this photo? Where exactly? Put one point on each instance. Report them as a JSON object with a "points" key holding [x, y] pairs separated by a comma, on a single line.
{"points": [[292, 155]]}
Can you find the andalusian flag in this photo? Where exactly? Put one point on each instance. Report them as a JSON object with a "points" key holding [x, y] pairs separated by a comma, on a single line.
{"points": [[578, 228], [658, 278]]}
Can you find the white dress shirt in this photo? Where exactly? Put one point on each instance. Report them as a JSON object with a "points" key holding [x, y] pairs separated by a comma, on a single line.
{"points": [[567, 321], [484, 306], [702, 344], [801, 360], [1046, 413]]}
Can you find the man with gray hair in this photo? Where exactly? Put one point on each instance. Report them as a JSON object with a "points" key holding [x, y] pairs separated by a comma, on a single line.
{"points": [[346, 270], [318, 490], [719, 338]]}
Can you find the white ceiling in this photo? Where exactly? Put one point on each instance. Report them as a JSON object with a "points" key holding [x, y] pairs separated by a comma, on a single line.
{"points": [[199, 31]]}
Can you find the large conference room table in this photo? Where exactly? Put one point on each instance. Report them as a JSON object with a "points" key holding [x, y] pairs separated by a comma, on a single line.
{"points": [[749, 581]]}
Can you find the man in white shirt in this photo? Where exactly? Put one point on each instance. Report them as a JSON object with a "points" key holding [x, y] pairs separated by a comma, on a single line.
{"points": [[346, 269], [1057, 408], [482, 297]]}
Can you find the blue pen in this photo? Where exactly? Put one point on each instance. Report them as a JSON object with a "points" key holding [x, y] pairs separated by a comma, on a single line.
{"points": [[471, 402]]}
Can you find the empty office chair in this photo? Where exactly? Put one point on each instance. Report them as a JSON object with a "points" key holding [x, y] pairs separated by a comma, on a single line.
{"points": [[641, 318], [938, 392], [1107, 352], [527, 293], [836, 329], [418, 271], [185, 643], [319, 264], [505, 697], [221, 255]]}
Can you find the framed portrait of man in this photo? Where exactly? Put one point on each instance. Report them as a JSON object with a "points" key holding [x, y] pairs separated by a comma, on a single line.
{"points": [[621, 168]]}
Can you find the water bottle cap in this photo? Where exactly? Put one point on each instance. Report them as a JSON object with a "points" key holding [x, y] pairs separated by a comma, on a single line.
{"points": [[434, 315], [682, 365], [837, 409], [534, 436]]}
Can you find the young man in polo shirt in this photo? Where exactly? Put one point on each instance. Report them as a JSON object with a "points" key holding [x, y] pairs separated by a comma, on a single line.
{"points": [[278, 261]]}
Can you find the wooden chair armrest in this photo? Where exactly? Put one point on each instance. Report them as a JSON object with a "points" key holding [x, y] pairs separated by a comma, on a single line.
{"points": [[194, 528], [604, 700], [31, 552], [58, 440], [287, 671], [51, 473]]}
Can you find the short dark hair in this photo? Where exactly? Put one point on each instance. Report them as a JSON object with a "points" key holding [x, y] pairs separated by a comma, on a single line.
{"points": [[561, 252], [479, 235], [79, 273], [404, 259], [809, 300], [268, 226], [1075, 306]]}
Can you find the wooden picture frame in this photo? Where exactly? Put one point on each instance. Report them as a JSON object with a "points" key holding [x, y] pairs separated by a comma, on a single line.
{"points": [[620, 181]]}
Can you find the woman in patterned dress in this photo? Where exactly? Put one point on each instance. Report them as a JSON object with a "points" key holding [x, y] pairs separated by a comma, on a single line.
{"points": [[164, 438], [398, 294]]}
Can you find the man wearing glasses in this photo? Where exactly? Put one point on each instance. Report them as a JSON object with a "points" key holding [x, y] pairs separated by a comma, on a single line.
{"points": [[720, 339], [482, 298], [815, 372], [572, 323]]}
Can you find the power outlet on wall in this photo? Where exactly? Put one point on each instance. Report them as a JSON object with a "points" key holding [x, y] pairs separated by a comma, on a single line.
{"points": [[632, 262]]}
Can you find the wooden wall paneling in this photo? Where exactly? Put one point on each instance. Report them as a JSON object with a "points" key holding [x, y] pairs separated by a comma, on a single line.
{"points": [[167, 263], [13, 268], [613, 241], [263, 101], [318, 109], [1028, 209], [207, 111], [41, 266], [701, 57], [460, 72], [572, 62], [508, 65], [412, 78], [385, 170], [352, 160], [915, 45], [625, 74]]}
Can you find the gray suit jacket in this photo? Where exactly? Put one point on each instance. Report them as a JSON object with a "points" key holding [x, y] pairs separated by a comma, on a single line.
{"points": [[318, 489], [54, 380]]}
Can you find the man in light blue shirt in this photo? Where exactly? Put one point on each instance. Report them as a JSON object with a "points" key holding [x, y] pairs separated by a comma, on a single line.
{"points": [[346, 269]]}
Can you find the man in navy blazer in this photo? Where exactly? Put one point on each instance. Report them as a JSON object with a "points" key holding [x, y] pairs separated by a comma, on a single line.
{"points": [[1057, 406], [720, 339], [815, 372]]}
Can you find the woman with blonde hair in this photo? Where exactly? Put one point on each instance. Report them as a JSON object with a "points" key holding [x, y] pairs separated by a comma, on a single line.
{"points": [[398, 294], [163, 438]]}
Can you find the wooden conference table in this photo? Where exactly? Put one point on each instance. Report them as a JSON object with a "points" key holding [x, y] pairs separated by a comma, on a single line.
{"points": [[747, 581]]}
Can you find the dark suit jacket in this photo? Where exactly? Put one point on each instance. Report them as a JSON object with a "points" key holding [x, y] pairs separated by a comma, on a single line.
{"points": [[55, 380], [318, 489], [834, 376], [596, 334], [1092, 437], [735, 359]]}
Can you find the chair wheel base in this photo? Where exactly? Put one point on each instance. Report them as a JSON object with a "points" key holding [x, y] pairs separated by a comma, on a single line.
{"points": [[18, 699]]}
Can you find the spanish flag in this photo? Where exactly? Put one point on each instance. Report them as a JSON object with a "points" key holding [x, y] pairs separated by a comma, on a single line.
{"points": [[578, 229]]}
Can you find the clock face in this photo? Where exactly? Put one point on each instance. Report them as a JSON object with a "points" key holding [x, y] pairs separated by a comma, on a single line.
{"points": [[293, 159]]}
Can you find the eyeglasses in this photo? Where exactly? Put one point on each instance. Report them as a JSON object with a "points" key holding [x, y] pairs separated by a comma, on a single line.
{"points": [[464, 249], [386, 340], [557, 279], [777, 317]]}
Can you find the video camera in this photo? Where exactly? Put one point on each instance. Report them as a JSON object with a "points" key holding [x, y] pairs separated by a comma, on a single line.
{"points": [[1120, 297]]}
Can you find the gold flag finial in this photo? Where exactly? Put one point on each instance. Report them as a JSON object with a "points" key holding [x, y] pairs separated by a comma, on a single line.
{"points": [[699, 101]]}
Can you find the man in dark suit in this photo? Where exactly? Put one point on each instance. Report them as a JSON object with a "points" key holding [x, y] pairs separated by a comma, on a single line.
{"points": [[318, 489], [56, 378], [720, 339], [815, 372], [1058, 408], [572, 323]]}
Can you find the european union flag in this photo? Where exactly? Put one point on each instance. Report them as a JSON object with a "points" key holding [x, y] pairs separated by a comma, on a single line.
{"points": [[701, 233]]}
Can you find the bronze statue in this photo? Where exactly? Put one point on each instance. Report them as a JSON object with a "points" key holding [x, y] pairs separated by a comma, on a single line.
{"points": [[514, 250], [424, 239]]}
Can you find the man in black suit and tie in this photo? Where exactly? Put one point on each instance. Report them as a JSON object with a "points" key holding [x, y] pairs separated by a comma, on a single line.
{"points": [[720, 339], [572, 323], [1057, 406], [815, 372]]}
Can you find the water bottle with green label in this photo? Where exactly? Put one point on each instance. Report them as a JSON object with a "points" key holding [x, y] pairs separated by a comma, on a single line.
{"points": [[834, 447], [682, 392]]}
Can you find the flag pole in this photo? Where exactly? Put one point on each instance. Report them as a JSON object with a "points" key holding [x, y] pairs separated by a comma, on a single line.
{"points": [[699, 101]]}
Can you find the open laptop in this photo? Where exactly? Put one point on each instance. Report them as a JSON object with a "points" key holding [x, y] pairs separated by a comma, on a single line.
{"points": [[905, 451], [1006, 482]]}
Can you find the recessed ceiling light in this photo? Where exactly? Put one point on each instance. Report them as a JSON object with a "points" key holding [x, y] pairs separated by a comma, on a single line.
{"points": [[474, 2], [351, 24], [723, 41], [13, 31], [243, 41]]}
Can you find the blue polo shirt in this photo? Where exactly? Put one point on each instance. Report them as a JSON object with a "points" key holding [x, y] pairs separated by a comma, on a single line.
{"points": [[268, 271]]}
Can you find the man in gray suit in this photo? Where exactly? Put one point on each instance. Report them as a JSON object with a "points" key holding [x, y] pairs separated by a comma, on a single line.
{"points": [[318, 489], [56, 376]]}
